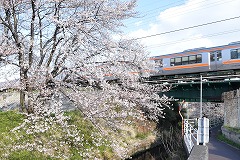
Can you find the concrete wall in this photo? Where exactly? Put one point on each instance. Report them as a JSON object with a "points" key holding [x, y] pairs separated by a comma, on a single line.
{"points": [[235, 137], [199, 152], [232, 108], [9, 100]]}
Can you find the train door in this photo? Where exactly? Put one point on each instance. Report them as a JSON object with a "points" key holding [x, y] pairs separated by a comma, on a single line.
{"points": [[215, 59]]}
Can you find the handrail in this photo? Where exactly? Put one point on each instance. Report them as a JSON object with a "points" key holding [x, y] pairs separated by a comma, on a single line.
{"points": [[190, 134], [190, 130]]}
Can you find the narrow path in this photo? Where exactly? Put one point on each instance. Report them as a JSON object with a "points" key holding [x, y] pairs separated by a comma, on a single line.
{"points": [[219, 150]]}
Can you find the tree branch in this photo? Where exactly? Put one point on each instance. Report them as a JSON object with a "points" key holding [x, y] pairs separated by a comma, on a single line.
{"points": [[30, 56]]}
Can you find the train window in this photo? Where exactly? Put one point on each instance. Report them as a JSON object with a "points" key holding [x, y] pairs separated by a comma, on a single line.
{"points": [[192, 59], [178, 61], [185, 60], [219, 55], [216, 55], [235, 53], [172, 61], [199, 58], [212, 56]]}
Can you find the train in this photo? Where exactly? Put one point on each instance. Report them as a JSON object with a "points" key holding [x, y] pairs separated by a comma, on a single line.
{"points": [[218, 60]]}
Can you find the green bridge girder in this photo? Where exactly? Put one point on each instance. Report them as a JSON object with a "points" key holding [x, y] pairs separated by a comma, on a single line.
{"points": [[212, 90]]}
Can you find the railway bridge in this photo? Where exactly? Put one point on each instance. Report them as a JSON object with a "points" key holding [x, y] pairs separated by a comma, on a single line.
{"points": [[210, 89], [188, 88]]}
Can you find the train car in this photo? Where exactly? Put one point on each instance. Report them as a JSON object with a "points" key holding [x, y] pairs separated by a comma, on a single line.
{"points": [[217, 60]]}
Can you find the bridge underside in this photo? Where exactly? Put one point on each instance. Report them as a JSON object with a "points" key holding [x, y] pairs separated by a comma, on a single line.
{"points": [[212, 91]]}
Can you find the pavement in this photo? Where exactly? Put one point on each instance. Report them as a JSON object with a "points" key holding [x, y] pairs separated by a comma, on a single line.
{"points": [[219, 150]]}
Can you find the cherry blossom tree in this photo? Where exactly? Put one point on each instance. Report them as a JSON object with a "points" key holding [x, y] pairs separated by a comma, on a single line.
{"points": [[59, 44], [65, 49]]}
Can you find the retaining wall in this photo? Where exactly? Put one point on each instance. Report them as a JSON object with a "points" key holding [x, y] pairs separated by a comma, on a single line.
{"points": [[233, 136], [232, 108]]}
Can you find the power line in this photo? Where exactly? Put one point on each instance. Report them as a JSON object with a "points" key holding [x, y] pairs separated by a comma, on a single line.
{"points": [[161, 7], [145, 14], [151, 10], [195, 38], [148, 18], [213, 4], [186, 28]]}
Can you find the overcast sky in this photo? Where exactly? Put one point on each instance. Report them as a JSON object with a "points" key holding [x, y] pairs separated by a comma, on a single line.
{"points": [[159, 16]]}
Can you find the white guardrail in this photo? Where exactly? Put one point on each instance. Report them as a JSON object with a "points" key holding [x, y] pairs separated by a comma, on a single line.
{"points": [[190, 130], [190, 133]]}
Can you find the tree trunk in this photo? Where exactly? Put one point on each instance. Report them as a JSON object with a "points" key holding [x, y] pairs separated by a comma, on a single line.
{"points": [[23, 84], [25, 92], [22, 91], [22, 101]]}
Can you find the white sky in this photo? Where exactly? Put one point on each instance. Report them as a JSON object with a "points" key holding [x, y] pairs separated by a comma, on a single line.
{"points": [[8, 73], [181, 14], [158, 16]]}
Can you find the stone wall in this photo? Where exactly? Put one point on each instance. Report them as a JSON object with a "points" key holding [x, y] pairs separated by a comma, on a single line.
{"points": [[232, 108], [212, 110], [233, 136]]}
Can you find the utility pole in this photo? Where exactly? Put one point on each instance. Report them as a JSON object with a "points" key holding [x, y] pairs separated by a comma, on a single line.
{"points": [[201, 97], [203, 123]]}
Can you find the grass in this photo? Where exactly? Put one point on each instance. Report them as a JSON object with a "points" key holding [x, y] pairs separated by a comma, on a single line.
{"points": [[22, 155], [9, 120], [236, 130], [136, 132], [222, 137], [142, 135], [12, 119]]}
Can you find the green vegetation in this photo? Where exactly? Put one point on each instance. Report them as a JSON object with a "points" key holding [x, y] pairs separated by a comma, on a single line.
{"points": [[236, 130], [92, 141], [22, 155], [142, 135], [9, 140], [222, 137], [9, 120]]}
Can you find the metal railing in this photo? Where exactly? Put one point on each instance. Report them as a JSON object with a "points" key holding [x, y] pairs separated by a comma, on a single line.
{"points": [[190, 133], [190, 130]]}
